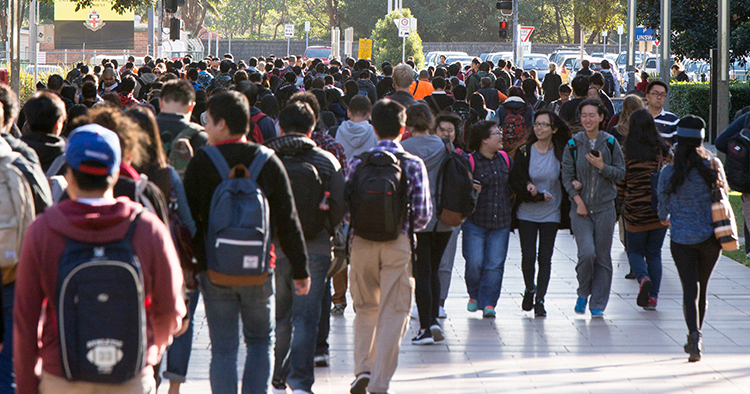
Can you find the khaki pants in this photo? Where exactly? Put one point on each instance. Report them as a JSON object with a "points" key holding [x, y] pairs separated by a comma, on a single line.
{"points": [[381, 286], [144, 384]]}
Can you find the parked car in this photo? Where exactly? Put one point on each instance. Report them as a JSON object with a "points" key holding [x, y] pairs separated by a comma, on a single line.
{"points": [[595, 64], [433, 58], [565, 51], [535, 61], [463, 60], [317, 52], [495, 56], [622, 60]]}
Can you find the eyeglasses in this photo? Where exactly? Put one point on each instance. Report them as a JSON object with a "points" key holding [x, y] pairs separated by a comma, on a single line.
{"points": [[496, 133], [541, 124], [659, 95]]}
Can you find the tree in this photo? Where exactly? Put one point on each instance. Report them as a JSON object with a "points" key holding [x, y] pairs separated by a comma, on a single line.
{"points": [[598, 15], [695, 25], [193, 14], [386, 44]]}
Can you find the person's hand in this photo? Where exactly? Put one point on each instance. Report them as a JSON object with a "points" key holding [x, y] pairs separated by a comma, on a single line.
{"points": [[302, 286], [581, 210], [531, 189], [577, 185], [595, 161], [478, 187], [548, 196], [665, 223]]}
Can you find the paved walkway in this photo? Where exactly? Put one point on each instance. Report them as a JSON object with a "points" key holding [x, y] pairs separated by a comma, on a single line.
{"points": [[630, 350]]}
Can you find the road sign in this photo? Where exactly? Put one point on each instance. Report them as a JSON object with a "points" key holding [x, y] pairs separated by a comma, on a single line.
{"points": [[289, 30], [307, 26], [365, 48], [403, 33], [404, 24], [619, 30], [643, 34], [526, 47], [525, 32]]}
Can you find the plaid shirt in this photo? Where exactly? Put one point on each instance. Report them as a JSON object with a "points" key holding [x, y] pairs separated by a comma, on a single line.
{"points": [[494, 203], [328, 143], [418, 188]]}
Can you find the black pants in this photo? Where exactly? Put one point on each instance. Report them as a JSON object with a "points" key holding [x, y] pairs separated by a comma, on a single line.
{"points": [[324, 325], [429, 253], [527, 234], [694, 264]]}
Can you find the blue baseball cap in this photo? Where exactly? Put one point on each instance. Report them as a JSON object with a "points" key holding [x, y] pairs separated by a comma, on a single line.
{"points": [[90, 145]]}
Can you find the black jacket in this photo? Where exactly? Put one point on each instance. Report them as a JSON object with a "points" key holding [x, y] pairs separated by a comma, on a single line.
{"points": [[46, 146], [519, 179], [29, 165]]}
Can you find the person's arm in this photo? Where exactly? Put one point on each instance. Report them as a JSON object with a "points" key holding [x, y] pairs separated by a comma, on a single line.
{"points": [[568, 172], [615, 171], [519, 179], [183, 208], [664, 182], [722, 141]]}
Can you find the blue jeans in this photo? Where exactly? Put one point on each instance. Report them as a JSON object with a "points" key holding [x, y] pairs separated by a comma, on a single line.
{"points": [[297, 319], [484, 251], [224, 307], [644, 255], [7, 377], [178, 355]]}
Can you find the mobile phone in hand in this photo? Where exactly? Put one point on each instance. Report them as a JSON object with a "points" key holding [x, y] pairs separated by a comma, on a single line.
{"points": [[595, 152]]}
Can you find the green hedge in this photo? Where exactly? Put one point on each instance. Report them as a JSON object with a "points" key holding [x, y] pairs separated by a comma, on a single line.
{"points": [[687, 98]]}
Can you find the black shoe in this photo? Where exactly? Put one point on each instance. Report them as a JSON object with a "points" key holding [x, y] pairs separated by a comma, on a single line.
{"points": [[528, 299], [423, 338], [539, 309], [359, 385], [643, 293], [630, 275], [694, 346]]}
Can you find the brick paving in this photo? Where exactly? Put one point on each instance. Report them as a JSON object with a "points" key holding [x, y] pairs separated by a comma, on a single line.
{"points": [[630, 350]]}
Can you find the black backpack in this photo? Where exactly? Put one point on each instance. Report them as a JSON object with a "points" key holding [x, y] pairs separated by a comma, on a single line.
{"points": [[609, 84], [376, 194], [467, 116], [737, 166], [101, 313], [455, 196], [308, 190]]}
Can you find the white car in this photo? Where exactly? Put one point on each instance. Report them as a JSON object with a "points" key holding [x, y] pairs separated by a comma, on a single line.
{"points": [[433, 58], [535, 61]]}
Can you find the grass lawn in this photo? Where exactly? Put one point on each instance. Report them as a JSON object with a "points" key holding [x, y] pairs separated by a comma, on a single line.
{"points": [[735, 199]]}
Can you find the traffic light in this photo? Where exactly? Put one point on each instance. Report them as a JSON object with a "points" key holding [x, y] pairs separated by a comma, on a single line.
{"points": [[170, 6], [503, 30], [174, 29], [505, 7]]}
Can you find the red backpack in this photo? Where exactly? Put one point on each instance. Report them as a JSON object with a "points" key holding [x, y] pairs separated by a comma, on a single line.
{"points": [[514, 127], [257, 135]]}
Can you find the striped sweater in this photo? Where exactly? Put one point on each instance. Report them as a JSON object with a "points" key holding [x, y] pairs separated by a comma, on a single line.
{"points": [[634, 192]]}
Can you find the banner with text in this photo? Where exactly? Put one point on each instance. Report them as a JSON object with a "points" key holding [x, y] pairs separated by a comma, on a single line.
{"points": [[98, 27]]}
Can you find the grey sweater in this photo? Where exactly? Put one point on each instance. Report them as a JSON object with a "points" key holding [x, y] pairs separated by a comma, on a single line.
{"points": [[599, 190], [431, 150]]}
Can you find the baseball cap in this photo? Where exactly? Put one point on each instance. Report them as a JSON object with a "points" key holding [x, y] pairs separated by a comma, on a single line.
{"points": [[691, 126], [94, 150]]}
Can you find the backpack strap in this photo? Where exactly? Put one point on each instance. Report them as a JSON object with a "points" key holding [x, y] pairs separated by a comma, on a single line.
{"points": [[140, 196], [258, 162], [133, 224], [573, 152], [56, 166], [504, 154], [471, 160], [219, 161]]}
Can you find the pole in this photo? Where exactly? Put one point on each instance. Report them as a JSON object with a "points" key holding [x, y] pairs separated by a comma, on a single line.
{"points": [[32, 38], [217, 46], [15, 46], [160, 27], [307, 40], [403, 50], [287, 46], [666, 13], [630, 63], [390, 6], [230, 45], [83, 54], [722, 92], [150, 50], [209, 43], [515, 31], [604, 39]]}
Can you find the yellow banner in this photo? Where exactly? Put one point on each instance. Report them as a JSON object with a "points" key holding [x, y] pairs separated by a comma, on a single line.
{"points": [[65, 10], [365, 48]]}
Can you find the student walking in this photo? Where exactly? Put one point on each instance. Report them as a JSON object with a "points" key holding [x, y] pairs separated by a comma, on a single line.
{"points": [[592, 165], [542, 204], [685, 189]]}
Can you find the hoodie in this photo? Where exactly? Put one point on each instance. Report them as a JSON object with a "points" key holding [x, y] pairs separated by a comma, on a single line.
{"points": [[37, 280], [431, 150], [356, 137]]}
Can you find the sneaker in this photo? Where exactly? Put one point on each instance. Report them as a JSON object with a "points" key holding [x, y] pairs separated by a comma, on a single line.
{"points": [[338, 310], [642, 300], [539, 310], [322, 360], [441, 313], [630, 275], [489, 311], [528, 299], [651, 304], [581, 305], [597, 313], [437, 333], [279, 390], [423, 338], [359, 385], [414, 312], [298, 391], [472, 306]]}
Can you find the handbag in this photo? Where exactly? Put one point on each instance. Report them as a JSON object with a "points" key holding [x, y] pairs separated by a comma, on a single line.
{"points": [[725, 227]]}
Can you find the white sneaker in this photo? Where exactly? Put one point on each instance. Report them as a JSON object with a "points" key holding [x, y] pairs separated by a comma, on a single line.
{"points": [[298, 391], [437, 333], [274, 390], [441, 313], [415, 312]]}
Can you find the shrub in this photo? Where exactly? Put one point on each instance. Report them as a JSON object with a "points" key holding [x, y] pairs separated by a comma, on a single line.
{"points": [[386, 44], [687, 98]]}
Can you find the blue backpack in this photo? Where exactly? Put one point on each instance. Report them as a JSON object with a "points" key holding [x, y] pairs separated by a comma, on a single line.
{"points": [[238, 239], [101, 313]]}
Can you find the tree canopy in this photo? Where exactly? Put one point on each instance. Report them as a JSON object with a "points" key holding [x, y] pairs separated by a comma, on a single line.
{"points": [[387, 45]]}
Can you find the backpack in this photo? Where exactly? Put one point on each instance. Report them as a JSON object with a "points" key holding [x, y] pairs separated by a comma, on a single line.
{"points": [[514, 128], [377, 198], [308, 190], [257, 135], [238, 238], [57, 183], [502, 153], [180, 149], [101, 311], [467, 116], [609, 84], [16, 210], [454, 175], [737, 165]]}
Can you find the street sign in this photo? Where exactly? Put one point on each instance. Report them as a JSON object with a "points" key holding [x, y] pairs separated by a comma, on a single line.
{"points": [[526, 47], [307, 26], [365, 48], [403, 33], [289, 30], [525, 32], [404, 24], [41, 57], [619, 30], [643, 34]]}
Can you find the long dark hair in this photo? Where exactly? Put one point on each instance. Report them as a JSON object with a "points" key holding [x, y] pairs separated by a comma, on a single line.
{"points": [[644, 143], [155, 158], [479, 132], [690, 154], [559, 138]]}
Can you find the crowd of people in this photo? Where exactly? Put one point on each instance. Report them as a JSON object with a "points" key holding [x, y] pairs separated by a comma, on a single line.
{"points": [[271, 187]]}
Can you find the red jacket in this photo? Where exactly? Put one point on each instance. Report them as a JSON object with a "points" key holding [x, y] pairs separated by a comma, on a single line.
{"points": [[36, 282]]}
